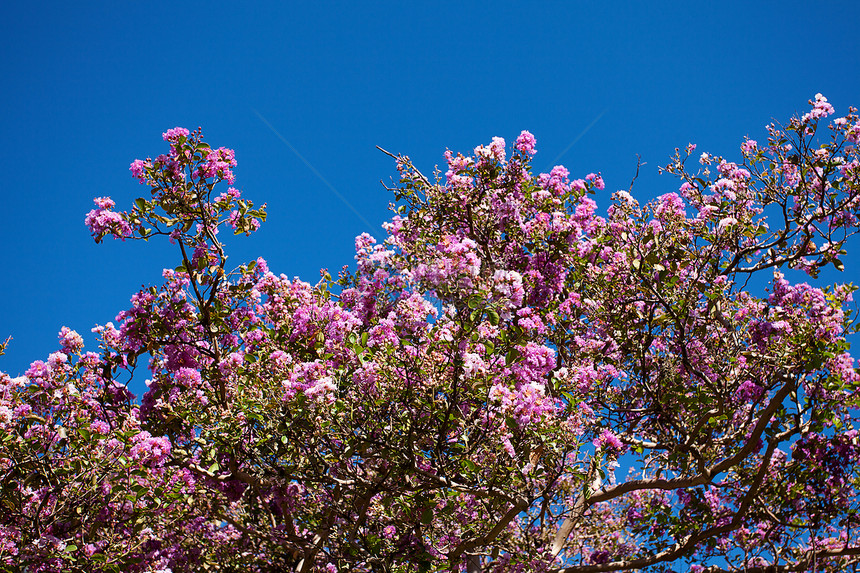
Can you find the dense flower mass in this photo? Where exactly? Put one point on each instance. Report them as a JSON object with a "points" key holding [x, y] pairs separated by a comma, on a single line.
{"points": [[510, 382], [102, 221]]}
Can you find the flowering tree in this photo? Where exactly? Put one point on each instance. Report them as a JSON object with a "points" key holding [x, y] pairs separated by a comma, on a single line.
{"points": [[509, 382]]}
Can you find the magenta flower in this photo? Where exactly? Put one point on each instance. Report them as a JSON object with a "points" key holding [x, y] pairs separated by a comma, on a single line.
{"points": [[525, 143]]}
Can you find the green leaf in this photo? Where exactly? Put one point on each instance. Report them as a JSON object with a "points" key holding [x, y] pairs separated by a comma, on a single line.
{"points": [[470, 465], [427, 515]]}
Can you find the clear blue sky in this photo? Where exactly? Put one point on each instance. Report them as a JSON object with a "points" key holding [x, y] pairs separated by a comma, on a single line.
{"points": [[89, 87]]}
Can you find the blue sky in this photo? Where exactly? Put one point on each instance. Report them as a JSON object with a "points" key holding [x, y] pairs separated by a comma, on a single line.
{"points": [[89, 87]]}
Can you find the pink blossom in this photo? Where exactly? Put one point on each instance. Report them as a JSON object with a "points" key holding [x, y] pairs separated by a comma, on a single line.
{"points": [[555, 181], [174, 134], [138, 169], [526, 143], [610, 443], [71, 341], [188, 377], [496, 150], [726, 223], [820, 108], [596, 180], [102, 221], [218, 164], [148, 450], [670, 206]]}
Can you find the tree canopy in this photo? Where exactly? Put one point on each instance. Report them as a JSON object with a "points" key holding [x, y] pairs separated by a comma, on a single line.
{"points": [[509, 382]]}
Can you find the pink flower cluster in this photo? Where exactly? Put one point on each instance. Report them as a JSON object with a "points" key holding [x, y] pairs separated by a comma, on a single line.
{"points": [[609, 443], [219, 163], [495, 151], [462, 396], [455, 264], [820, 109], [174, 134], [103, 221], [138, 169], [150, 451], [526, 143]]}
